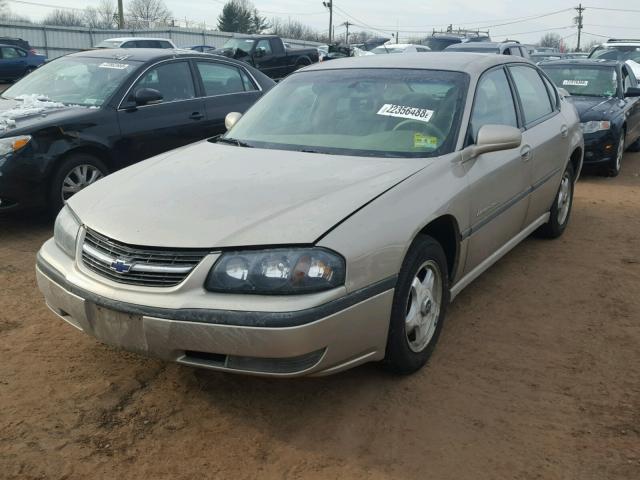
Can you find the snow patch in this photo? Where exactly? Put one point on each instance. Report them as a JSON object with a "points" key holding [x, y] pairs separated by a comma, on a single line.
{"points": [[33, 104]]}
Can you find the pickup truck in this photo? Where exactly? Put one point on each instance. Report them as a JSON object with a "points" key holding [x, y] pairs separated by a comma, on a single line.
{"points": [[268, 54]]}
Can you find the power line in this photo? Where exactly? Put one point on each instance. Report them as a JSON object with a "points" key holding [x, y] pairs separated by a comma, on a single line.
{"points": [[614, 9]]}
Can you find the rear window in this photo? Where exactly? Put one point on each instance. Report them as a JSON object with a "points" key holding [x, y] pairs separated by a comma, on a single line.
{"points": [[109, 44]]}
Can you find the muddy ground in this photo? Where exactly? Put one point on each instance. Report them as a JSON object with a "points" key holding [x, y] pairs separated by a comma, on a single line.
{"points": [[536, 377]]}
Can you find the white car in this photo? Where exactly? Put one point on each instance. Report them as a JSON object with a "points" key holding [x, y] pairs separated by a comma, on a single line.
{"points": [[400, 48], [623, 50], [136, 42]]}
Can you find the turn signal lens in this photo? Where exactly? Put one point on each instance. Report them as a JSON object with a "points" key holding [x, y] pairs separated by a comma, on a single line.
{"points": [[13, 144]]}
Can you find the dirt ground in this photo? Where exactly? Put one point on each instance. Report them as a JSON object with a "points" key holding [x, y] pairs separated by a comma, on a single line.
{"points": [[536, 377]]}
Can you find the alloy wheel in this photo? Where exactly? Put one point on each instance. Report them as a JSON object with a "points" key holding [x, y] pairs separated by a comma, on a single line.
{"points": [[81, 176], [423, 306]]}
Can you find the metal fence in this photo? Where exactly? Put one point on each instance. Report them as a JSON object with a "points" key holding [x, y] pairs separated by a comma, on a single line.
{"points": [[57, 41]]}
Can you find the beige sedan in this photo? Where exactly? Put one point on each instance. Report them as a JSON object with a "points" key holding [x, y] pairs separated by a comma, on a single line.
{"points": [[331, 225]]}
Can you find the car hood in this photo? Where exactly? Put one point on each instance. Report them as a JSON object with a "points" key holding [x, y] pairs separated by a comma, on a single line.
{"points": [[208, 195], [590, 106], [31, 111]]}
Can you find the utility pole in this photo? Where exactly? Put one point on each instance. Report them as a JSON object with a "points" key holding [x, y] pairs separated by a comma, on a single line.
{"points": [[397, 32], [120, 15], [346, 24], [578, 21], [329, 5]]}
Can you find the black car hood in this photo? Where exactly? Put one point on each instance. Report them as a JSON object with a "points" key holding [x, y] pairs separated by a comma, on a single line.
{"points": [[592, 107], [21, 115]]}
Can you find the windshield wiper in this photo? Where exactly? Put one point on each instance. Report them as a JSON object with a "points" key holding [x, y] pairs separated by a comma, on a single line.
{"points": [[233, 141]]}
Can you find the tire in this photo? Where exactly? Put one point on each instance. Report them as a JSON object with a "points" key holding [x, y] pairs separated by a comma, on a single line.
{"points": [[422, 308], [613, 169], [80, 169], [560, 211]]}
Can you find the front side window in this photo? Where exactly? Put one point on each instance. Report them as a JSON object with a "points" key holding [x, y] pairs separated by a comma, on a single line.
{"points": [[9, 53], [243, 44], [493, 104], [221, 79], [264, 45], [75, 80], [532, 92], [588, 81], [366, 112], [617, 52], [172, 80]]}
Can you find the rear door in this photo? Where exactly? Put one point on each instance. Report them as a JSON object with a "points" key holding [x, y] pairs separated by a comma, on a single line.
{"points": [[546, 132], [178, 120], [226, 88], [13, 63], [498, 181]]}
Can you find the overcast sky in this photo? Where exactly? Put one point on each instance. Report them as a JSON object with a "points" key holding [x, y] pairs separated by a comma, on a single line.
{"points": [[415, 16]]}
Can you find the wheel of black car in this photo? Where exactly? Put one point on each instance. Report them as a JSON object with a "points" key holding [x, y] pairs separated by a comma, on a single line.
{"points": [[419, 307], [561, 210], [75, 173], [616, 163]]}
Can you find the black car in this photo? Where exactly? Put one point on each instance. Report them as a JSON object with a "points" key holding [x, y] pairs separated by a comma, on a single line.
{"points": [[605, 93], [85, 115]]}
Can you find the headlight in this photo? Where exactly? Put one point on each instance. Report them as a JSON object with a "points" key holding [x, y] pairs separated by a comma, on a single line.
{"points": [[66, 230], [282, 271], [13, 144], [595, 126]]}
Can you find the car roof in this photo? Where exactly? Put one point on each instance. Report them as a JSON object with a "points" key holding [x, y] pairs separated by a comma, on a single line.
{"points": [[144, 54], [126, 39], [587, 62], [472, 63], [11, 45], [487, 45], [400, 45]]}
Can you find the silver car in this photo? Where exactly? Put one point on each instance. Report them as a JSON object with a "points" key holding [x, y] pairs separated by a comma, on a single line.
{"points": [[330, 226]]}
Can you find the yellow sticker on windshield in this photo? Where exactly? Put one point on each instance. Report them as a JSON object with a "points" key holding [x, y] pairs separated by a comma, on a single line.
{"points": [[424, 141]]}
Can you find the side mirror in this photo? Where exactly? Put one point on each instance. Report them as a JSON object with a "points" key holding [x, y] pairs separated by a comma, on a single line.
{"points": [[260, 52], [493, 138], [147, 96], [231, 119], [632, 92]]}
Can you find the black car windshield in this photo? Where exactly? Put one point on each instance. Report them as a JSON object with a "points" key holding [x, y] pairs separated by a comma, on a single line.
{"points": [[75, 80], [584, 80], [366, 112], [244, 44], [618, 52]]}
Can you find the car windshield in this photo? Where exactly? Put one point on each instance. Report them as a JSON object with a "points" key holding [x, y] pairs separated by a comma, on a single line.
{"points": [[387, 49], [438, 44], [75, 80], [244, 44], [364, 112], [110, 44], [617, 52], [584, 80]]}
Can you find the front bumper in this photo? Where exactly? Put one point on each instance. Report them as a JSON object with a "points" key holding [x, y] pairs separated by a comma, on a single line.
{"points": [[599, 148], [318, 340], [19, 187]]}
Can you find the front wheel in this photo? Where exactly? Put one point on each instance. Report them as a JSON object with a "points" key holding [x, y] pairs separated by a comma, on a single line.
{"points": [[419, 307], [613, 169], [75, 173], [561, 208]]}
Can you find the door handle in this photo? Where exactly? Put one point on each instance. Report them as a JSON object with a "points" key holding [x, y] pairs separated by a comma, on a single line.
{"points": [[196, 116], [564, 131], [525, 153]]}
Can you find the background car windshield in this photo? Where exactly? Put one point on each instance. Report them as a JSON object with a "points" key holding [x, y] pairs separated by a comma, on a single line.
{"points": [[587, 81], [368, 112], [75, 80], [620, 53], [244, 44], [387, 49]]}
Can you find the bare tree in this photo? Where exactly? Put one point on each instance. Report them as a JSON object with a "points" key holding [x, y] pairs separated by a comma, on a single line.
{"points": [[552, 40], [102, 16], [64, 18], [295, 30], [148, 14]]}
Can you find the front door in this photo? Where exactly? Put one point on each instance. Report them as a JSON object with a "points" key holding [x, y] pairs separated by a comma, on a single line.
{"points": [[498, 181], [177, 120]]}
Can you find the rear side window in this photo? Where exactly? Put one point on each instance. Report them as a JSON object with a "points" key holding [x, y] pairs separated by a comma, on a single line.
{"points": [[221, 79], [493, 103], [172, 80], [9, 53], [532, 92], [165, 44]]}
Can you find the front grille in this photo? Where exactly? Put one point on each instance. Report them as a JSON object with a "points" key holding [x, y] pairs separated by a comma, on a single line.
{"points": [[143, 266]]}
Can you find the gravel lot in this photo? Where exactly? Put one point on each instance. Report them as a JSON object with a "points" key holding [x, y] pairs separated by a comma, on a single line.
{"points": [[536, 377]]}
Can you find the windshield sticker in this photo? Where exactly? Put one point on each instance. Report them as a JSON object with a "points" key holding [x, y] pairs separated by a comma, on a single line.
{"points": [[576, 83], [116, 66], [424, 141], [400, 111]]}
